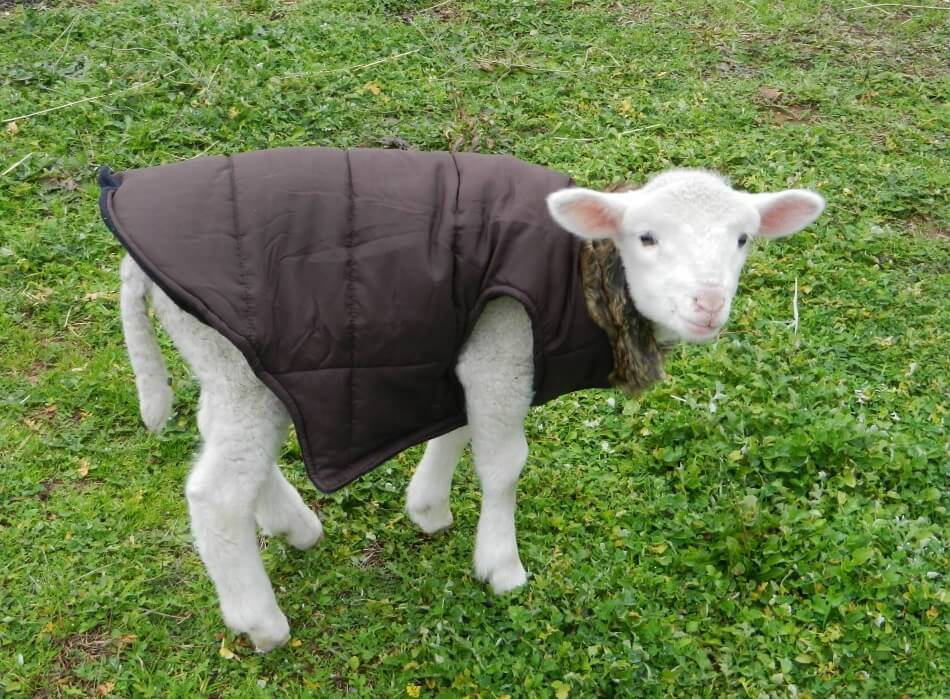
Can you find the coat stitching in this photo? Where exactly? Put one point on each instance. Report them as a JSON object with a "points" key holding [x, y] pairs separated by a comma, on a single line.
{"points": [[242, 259], [460, 322], [350, 278]]}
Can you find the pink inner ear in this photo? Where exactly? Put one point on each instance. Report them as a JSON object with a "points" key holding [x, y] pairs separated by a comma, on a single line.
{"points": [[596, 217], [786, 215]]}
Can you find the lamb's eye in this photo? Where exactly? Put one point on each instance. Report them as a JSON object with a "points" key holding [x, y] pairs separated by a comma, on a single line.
{"points": [[647, 239], [743, 239]]}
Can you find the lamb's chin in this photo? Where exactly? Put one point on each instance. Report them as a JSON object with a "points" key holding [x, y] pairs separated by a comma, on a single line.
{"points": [[666, 336]]}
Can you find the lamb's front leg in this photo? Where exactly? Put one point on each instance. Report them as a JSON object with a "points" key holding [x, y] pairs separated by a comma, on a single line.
{"points": [[500, 451], [496, 369], [427, 497]]}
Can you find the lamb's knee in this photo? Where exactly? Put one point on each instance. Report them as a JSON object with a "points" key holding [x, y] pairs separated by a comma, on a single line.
{"points": [[207, 502], [218, 482], [517, 449], [499, 464], [197, 488]]}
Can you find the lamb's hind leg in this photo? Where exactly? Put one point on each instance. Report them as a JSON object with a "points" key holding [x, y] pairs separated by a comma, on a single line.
{"points": [[427, 497], [281, 511], [243, 427]]}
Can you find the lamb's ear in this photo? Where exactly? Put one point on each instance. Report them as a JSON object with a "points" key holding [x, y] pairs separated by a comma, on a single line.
{"points": [[784, 213], [586, 213]]}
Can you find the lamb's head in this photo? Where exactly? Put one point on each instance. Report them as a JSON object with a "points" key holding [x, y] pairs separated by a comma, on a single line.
{"points": [[683, 239]]}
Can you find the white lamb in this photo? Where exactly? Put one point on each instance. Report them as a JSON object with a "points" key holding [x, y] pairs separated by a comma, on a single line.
{"points": [[683, 239]]}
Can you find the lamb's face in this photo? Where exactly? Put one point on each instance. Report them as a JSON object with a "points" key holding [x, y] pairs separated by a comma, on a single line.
{"points": [[683, 239], [683, 247]]}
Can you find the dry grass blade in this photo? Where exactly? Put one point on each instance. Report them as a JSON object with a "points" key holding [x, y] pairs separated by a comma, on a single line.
{"points": [[359, 66], [137, 86], [15, 165], [795, 309], [898, 5]]}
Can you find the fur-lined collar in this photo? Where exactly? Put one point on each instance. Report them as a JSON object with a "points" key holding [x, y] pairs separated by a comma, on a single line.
{"points": [[638, 360]]}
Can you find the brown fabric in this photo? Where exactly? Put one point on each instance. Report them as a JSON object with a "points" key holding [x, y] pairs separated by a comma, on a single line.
{"points": [[351, 279], [638, 361]]}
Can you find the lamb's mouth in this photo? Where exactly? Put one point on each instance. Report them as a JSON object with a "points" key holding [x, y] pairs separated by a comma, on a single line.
{"points": [[700, 330]]}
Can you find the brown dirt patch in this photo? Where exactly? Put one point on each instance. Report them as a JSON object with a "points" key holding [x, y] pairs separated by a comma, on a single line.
{"points": [[75, 650], [634, 14], [47, 488], [371, 556], [928, 228], [50, 486], [35, 371], [61, 182], [445, 11], [781, 108], [40, 418], [89, 645], [388, 142], [449, 12]]}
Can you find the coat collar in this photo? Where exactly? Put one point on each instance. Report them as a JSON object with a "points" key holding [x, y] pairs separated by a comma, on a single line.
{"points": [[638, 360]]}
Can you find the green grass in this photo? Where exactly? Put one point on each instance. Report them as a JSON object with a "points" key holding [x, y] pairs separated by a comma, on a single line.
{"points": [[772, 521]]}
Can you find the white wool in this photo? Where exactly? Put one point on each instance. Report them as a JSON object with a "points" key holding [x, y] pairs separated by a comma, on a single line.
{"points": [[688, 177]]}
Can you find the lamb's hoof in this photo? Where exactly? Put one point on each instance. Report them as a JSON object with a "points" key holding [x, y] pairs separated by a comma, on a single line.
{"points": [[265, 625], [308, 533], [272, 635], [431, 519], [504, 576]]}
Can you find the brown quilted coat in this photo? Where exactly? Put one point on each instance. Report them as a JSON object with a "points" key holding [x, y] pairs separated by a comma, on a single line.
{"points": [[351, 279]]}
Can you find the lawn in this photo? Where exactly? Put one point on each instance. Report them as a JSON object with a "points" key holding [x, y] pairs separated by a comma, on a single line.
{"points": [[770, 522]]}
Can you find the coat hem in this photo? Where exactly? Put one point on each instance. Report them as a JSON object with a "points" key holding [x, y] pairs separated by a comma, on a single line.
{"points": [[360, 468]]}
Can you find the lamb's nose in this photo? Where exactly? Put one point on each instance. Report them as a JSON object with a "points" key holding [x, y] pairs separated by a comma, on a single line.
{"points": [[710, 300]]}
